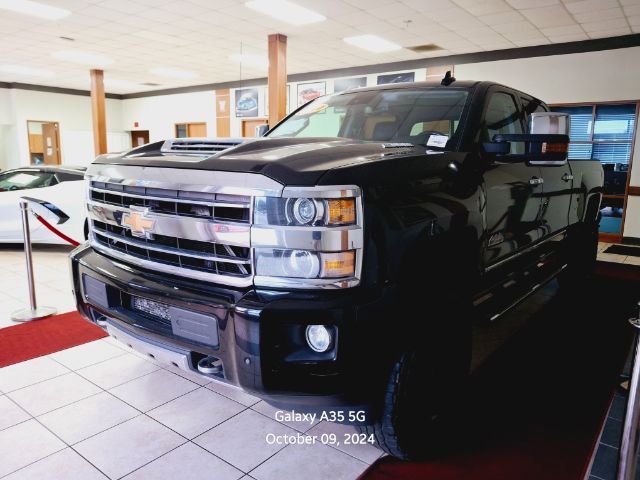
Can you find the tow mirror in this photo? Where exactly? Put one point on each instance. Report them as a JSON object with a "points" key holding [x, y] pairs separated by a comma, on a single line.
{"points": [[547, 142], [261, 130]]}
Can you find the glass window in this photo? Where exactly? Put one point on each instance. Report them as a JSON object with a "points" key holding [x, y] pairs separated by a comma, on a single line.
{"points": [[397, 115], [24, 179], [502, 117], [581, 120], [69, 177], [614, 122], [181, 130], [605, 133]]}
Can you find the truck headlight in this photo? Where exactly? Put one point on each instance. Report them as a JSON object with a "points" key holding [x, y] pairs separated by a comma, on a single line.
{"points": [[308, 237], [305, 211], [273, 262]]}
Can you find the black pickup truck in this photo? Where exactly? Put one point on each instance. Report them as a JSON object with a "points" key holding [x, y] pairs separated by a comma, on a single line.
{"points": [[340, 263]]}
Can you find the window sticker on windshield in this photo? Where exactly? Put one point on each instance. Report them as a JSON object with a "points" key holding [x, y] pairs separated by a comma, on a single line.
{"points": [[437, 141]]}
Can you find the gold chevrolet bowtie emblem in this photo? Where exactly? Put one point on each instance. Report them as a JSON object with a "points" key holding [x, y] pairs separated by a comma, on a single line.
{"points": [[139, 225]]}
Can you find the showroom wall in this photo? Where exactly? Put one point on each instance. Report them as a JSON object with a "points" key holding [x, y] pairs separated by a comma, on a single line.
{"points": [[72, 112], [579, 77], [159, 114]]}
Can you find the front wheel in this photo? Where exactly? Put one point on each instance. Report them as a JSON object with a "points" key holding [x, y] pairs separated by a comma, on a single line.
{"points": [[423, 388]]}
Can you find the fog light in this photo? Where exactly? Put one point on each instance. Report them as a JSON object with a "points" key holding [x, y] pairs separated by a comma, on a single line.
{"points": [[319, 338]]}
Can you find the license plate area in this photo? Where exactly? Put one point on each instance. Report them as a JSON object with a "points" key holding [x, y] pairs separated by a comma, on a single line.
{"points": [[150, 307], [188, 324]]}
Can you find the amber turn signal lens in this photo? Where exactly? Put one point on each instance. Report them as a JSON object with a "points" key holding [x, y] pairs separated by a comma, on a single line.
{"points": [[341, 211], [340, 264], [555, 147]]}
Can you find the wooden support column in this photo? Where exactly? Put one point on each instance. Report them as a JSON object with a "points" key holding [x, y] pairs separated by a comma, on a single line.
{"points": [[223, 107], [277, 78], [98, 112]]}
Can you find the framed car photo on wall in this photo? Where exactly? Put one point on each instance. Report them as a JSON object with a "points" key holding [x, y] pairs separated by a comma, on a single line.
{"points": [[247, 102], [309, 91]]}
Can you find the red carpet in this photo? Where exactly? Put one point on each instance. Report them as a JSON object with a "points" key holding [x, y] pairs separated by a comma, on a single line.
{"points": [[535, 409], [41, 337]]}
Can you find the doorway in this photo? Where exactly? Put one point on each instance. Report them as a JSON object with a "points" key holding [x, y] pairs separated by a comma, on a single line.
{"points": [[192, 129], [44, 142], [249, 126], [139, 138]]}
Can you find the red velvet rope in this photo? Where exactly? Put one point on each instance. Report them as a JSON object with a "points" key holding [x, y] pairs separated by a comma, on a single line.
{"points": [[55, 230]]}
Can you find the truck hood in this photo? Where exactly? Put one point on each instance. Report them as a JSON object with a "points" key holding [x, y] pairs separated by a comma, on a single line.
{"points": [[290, 161]]}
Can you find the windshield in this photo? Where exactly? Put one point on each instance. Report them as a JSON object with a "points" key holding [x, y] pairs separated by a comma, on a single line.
{"points": [[421, 116]]}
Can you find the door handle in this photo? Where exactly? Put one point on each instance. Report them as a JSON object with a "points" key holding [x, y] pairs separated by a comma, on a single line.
{"points": [[567, 177], [536, 181]]}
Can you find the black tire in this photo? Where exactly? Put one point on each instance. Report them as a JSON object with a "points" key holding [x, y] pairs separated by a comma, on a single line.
{"points": [[424, 386]]}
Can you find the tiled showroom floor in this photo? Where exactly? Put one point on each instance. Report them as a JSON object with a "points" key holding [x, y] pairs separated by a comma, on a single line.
{"points": [[99, 410]]}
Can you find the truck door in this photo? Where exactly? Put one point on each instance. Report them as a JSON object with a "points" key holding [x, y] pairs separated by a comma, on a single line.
{"points": [[513, 190], [558, 181]]}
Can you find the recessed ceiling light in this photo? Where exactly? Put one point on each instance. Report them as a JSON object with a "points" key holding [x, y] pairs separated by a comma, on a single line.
{"points": [[373, 43], [173, 73], [286, 11], [85, 58], [251, 59], [34, 9], [28, 71]]}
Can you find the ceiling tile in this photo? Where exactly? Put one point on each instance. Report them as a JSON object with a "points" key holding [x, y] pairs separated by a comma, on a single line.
{"points": [[581, 6], [618, 23], [554, 16]]}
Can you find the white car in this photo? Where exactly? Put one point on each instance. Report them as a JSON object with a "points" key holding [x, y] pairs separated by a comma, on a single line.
{"points": [[57, 194]]}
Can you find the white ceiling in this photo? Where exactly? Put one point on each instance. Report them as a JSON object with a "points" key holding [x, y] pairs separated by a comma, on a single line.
{"points": [[199, 35]]}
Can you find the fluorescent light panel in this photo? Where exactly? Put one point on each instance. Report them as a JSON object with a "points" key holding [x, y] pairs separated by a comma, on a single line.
{"points": [[173, 73], [373, 43], [286, 11], [250, 59], [27, 71], [35, 9], [84, 58]]}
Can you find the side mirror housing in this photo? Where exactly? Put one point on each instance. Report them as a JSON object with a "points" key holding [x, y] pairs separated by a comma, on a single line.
{"points": [[261, 130], [547, 142], [553, 123]]}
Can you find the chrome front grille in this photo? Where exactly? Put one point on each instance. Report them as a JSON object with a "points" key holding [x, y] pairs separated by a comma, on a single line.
{"points": [[199, 222], [175, 202]]}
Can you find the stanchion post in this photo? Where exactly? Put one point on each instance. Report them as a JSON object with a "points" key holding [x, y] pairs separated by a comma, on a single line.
{"points": [[628, 460], [35, 312]]}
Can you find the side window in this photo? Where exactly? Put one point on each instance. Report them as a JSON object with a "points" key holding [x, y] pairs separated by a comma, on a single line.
{"points": [[25, 179], [502, 116], [68, 177]]}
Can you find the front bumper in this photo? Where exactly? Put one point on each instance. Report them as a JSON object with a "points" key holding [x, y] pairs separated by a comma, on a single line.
{"points": [[260, 334]]}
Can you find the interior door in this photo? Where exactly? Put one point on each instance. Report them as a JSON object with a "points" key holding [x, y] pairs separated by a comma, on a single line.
{"points": [[197, 130], [513, 190], [139, 138], [51, 149], [249, 127]]}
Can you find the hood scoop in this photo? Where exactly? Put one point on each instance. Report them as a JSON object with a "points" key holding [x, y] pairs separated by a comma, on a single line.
{"points": [[199, 146]]}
